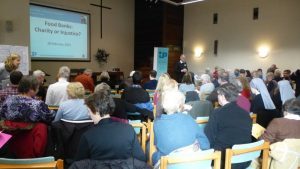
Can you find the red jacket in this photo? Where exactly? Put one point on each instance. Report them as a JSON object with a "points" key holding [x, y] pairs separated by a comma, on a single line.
{"points": [[28, 143]]}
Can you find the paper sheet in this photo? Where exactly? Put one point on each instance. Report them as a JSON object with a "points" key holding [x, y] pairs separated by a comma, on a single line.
{"points": [[4, 138], [257, 130]]}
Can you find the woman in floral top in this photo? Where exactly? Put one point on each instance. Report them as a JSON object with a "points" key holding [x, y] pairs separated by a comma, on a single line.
{"points": [[24, 107]]}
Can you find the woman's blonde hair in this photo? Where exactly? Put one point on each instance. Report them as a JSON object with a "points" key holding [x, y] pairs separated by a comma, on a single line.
{"points": [[9, 62], [162, 80], [75, 90], [172, 85]]}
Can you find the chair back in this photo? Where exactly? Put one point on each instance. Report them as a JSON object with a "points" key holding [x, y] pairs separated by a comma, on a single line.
{"points": [[247, 152], [138, 126], [202, 121], [38, 163], [152, 147], [199, 159]]}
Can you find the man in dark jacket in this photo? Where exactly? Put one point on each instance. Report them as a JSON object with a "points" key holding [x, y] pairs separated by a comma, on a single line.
{"points": [[180, 68]]}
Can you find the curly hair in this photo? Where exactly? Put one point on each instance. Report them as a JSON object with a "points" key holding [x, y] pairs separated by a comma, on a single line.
{"points": [[9, 62], [100, 102]]}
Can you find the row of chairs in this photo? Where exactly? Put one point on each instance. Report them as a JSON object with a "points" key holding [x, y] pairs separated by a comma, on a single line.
{"points": [[203, 159], [35, 163], [238, 153]]}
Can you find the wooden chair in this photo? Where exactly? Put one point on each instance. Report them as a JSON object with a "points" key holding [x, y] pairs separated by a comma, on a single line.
{"points": [[152, 147], [202, 121], [138, 127], [201, 159], [35, 163], [247, 152], [253, 117], [53, 108]]}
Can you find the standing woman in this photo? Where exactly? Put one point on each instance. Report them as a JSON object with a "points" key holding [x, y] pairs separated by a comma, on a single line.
{"points": [[11, 63]]}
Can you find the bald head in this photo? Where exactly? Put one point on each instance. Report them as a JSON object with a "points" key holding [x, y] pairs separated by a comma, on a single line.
{"points": [[182, 57]]}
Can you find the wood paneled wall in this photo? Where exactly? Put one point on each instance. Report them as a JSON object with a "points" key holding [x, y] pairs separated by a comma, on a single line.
{"points": [[157, 25]]}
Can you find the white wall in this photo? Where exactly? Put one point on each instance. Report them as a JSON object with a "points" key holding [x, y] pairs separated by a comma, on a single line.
{"points": [[239, 36], [118, 32]]}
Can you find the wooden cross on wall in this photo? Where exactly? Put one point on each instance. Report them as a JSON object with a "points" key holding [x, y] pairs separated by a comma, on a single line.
{"points": [[101, 7]]}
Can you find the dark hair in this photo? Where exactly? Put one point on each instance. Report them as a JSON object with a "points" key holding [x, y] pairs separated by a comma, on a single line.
{"points": [[15, 77], [288, 71], [137, 77], [230, 92], [248, 73], [259, 69], [187, 78], [153, 73], [292, 106], [224, 76], [28, 83], [242, 71], [101, 102]]}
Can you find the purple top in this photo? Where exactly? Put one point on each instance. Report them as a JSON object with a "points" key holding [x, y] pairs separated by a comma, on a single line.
{"points": [[25, 109], [243, 103]]}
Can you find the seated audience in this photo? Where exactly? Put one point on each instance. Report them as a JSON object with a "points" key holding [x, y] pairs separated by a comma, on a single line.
{"points": [[73, 109], [170, 85], [296, 77], [229, 124], [286, 74], [200, 108], [287, 126], [12, 89], [107, 140], [272, 68], [40, 76], [136, 94], [175, 130], [207, 87], [86, 80], [277, 75], [248, 75], [125, 83], [262, 104], [187, 83], [57, 92], [260, 73], [24, 107], [271, 84], [241, 100], [122, 107], [223, 79], [246, 92], [283, 93], [162, 80], [242, 73], [105, 78], [151, 85]]}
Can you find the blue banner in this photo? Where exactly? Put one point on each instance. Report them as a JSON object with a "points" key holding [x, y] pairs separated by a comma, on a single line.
{"points": [[160, 60]]}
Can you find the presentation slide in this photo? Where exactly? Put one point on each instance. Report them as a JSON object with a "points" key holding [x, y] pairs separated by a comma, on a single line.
{"points": [[58, 34]]}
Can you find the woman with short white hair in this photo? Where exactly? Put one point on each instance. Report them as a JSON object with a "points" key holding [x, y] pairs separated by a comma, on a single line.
{"points": [[207, 87], [175, 130], [73, 109]]}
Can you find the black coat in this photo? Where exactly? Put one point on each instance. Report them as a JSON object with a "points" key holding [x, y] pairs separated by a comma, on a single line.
{"points": [[109, 140], [178, 67], [110, 164]]}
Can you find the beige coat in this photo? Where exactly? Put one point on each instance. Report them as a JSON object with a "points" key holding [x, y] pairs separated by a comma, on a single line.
{"points": [[285, 154]]}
